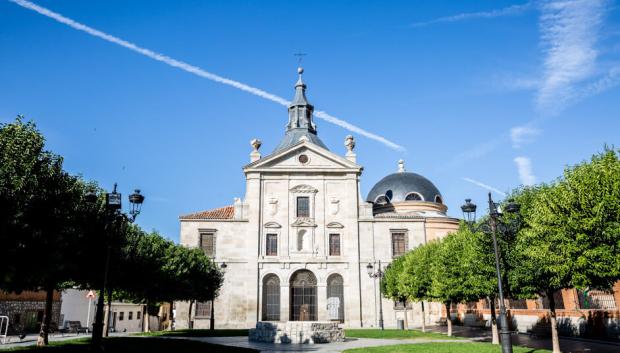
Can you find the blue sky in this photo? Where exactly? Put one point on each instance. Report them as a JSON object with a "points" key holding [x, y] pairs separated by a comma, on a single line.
{"points": [[495, 92]]}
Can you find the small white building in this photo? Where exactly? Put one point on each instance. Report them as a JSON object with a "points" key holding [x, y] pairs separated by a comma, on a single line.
{"points": [[125, 317], [298, 245]]}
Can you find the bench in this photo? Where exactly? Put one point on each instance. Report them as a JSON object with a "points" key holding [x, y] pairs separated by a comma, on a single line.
{"points": [[73, 327]]}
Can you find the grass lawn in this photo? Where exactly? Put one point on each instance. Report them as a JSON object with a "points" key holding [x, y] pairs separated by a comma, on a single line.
{"points": [[196, 333], [397, 334], [133, 345], [443, 348]]}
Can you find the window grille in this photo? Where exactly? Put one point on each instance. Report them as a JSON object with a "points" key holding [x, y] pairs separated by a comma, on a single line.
{"points": [[399, 246], [271, 248], [207, 243], [335, 289], [203, 309], [303, 296], [334, 244], [303, 206], [130, 315], [271, 298], [596, 299], [121, 316]]}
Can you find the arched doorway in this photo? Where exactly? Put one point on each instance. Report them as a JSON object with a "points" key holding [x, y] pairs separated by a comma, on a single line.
{"points": [[271, 298], [335, 297], [303, 296]]}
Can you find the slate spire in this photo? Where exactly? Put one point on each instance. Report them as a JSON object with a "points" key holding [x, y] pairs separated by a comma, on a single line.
{"points": [[300, 120]]}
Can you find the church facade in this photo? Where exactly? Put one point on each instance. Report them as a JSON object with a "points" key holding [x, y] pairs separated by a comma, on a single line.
{"points": [[300, 244]]}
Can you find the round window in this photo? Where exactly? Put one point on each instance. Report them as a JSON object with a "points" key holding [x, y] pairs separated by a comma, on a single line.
{"points": [[303, 159]]}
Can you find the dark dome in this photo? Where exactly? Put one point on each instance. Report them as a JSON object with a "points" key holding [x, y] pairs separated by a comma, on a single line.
{"points": [[398, 185]]}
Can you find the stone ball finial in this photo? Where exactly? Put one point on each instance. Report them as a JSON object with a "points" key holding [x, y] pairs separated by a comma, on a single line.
{"points": [[256, 143], [349, 143], [401, 166]]}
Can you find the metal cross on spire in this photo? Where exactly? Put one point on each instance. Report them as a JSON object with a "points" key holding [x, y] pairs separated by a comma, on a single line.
{"points": [[300, 57]]}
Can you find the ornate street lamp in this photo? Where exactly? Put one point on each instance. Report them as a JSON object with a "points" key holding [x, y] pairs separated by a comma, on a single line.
{"points": [[136, 199], [378, 274], [113, 203], [469, 213]]}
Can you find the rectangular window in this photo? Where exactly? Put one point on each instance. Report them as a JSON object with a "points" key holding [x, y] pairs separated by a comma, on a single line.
{"points": [[130, 315], [207, 243], [303, 206], [398, 244], [271, 248], [203, 309], [334, 245], [121, 316], [138, 315]]}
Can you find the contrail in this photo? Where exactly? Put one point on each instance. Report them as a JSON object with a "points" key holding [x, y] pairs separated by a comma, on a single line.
{"points": [[197, 71], [485, 186]]}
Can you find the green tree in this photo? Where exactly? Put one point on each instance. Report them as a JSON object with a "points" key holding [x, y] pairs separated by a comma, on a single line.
{"points": [[572, 233], [390, 285], [415, 280], [448, 271]]}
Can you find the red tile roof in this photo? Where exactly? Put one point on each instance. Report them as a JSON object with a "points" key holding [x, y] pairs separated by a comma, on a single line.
{"points": [[226, 212]]}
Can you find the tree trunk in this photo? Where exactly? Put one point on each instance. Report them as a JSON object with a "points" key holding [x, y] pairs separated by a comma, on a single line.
{"points": [[494, 332], [406, 319], [555, 340], [448, 318], [423, 318], [43, 339], [189, 315]]}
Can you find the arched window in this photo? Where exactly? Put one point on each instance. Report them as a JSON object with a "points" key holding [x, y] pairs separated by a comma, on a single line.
{"points": [[382, 200], [303, 296], [335, 298], [414, 196], [271, 298], [438, 199]]}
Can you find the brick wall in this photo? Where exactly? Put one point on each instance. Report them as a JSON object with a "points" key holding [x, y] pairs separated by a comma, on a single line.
{"points": [[26, 315]]}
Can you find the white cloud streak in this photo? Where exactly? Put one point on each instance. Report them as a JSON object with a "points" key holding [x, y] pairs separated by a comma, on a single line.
{"points": [[485, 186], [569, 33], [524, 166], [507, 11], [521, 135], [197, 70]]}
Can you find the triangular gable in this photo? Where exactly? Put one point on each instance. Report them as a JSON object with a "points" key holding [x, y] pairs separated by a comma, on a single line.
{"points": [[278, 157]]}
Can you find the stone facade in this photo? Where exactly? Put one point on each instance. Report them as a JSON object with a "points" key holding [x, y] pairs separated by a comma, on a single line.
{"points": [[304, 332], [303, 227], [25, 310]]}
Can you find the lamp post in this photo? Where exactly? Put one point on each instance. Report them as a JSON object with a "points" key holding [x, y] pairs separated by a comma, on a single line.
{"points": [[212, 319], [113, 206], [378, 274], [469, 214]]}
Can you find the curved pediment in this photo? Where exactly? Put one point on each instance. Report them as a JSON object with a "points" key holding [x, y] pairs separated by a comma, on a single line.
{"points": [[304, 222], [272, 225], [303, 188], [335, 225]]}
